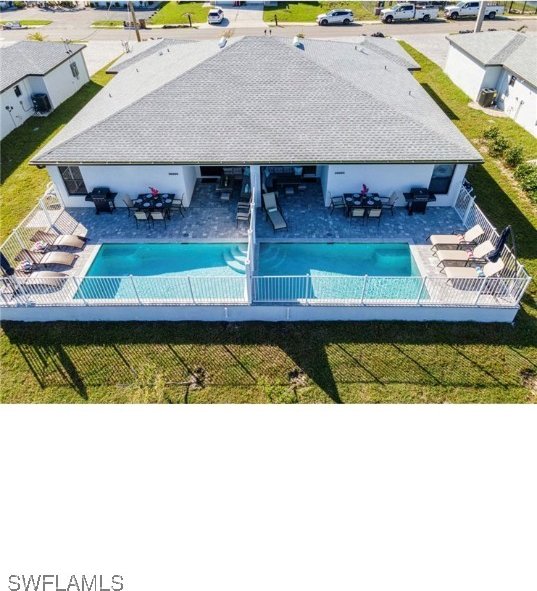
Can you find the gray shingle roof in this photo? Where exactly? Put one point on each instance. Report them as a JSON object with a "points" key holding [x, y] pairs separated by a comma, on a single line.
{"points": [[261, 100], [31, 58], [142, 50], [513, 50]]}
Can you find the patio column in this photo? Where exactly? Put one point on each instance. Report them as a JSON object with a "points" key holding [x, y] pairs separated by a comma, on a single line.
{"points": [[255, 180]]}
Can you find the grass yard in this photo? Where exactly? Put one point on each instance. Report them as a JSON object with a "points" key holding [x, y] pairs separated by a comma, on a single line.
{"points": [[306, 12], [279, 363], [173, 13], [107, 24], [29, 23], [22, 184]]}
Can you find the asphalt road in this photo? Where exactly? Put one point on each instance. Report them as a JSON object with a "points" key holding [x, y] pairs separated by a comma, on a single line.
{"points": [[76, 25]]}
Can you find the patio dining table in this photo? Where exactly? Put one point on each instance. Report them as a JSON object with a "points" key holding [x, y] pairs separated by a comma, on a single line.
{"points": [[366, 201], [149, 202]]}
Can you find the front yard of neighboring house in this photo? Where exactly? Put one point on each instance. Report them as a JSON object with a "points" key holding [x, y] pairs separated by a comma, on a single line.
{"points": [[307, 12], [174, 13]]}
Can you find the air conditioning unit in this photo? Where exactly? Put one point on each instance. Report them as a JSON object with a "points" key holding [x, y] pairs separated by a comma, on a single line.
{"points": [[486, 97], [41, 103]]}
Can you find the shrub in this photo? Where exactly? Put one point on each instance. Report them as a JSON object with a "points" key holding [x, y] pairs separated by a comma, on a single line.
{"points": [[19, 4], [526, 174], [36, 36], [514, 156], [491, 133], [523, 170], [499, 146]]}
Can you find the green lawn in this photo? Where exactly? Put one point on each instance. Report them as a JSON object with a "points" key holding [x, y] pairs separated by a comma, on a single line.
{"points": [[107, 24], [299, 362], [306, 12], [22, 184], [173, 13], [30, 23]]}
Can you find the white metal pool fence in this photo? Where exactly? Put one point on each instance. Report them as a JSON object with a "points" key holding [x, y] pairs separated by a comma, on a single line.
{"points": [[505, 290]]}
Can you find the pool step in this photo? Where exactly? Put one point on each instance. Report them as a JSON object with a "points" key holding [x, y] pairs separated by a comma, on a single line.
{"points": [[235, 261]]}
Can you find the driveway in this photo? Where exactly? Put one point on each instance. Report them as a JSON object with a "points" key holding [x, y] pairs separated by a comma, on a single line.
{"points": [[433, 45], [247, 16]]}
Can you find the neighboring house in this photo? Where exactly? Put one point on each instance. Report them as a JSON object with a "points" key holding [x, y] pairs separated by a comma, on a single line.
{"points": [[502, 60], [122, 4], [36, 77], [347, 113]]}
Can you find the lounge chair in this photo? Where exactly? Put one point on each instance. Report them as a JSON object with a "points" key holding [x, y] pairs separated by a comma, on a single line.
{"points": [[58, 258], [478, 254], [470, 237], [47, 278], [273, 212], [489, 270], [68, 240]]}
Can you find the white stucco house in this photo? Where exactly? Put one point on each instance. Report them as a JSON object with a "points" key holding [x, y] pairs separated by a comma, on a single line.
{"points": [[37, 77], [345, 113], [501, 60]]}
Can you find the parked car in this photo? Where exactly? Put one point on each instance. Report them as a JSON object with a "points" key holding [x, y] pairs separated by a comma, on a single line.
{"points": [[408, 12], [14, 25], [215, 16], [466, 9], [340, 16]]}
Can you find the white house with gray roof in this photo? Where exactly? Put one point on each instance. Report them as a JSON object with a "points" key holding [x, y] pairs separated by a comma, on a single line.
{"points": [[501, 60], [346, 113], [37, 77]]}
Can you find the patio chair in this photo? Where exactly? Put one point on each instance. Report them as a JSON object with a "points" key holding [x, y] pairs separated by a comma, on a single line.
{"points": [[466, 256], [177, 205], [489, 270], [58, 258], [358, 212], [337, 203], [68, 240], [470, 237], [374, 213], [129, 204], [273, 212], [141, 216], [158, 216], [388, 203], [102, 204]]}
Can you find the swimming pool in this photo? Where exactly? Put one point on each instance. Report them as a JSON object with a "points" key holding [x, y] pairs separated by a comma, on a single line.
{"points": [[328, 271], [166, 270]]}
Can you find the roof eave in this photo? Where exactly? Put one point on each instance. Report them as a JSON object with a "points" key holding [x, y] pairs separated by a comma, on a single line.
{"points": [[43, 162]]}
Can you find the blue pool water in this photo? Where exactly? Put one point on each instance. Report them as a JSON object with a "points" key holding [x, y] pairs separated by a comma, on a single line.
{"points": [[336, 271], [166, 270]]}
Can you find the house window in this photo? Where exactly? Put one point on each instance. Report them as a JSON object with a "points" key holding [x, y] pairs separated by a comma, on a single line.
{"points": [[512, 80], [74, 70], [72, 178], [441, 179], [17, 91]]}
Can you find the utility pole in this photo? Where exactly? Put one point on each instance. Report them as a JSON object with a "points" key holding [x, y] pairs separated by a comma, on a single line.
{"points": [[480, 17], [134, 21]]}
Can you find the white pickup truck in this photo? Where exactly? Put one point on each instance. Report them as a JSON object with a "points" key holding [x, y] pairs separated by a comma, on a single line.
{"points": [[408, 12], [466, 9]]}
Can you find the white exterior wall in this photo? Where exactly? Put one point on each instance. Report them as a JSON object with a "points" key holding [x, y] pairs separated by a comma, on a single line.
{"points": [[60, 82], [129, 180], [518, 101], [387, 178], [59, 85], [469, 75], [259, 313]]}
